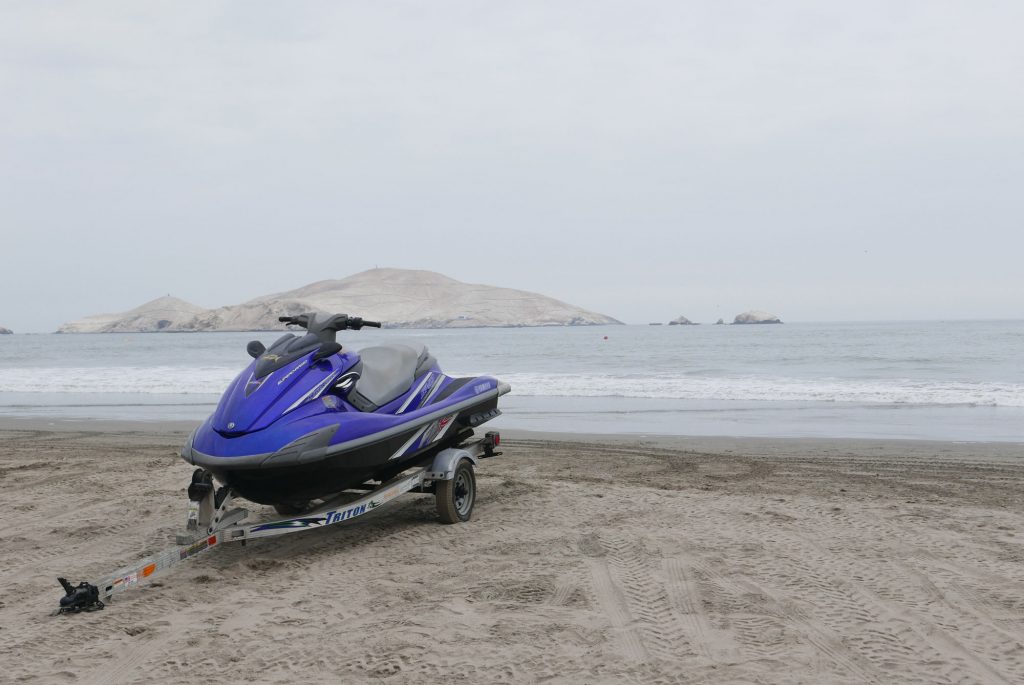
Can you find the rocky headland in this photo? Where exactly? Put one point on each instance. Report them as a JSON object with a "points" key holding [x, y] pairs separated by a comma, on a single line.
{"points": [[400, 298], [162, 314]]}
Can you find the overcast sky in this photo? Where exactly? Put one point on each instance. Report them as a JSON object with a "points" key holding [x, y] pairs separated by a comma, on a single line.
{"points": [[822, 161]]}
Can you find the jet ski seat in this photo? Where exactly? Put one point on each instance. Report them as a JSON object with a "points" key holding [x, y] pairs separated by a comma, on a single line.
{"points": [[387, 372]]}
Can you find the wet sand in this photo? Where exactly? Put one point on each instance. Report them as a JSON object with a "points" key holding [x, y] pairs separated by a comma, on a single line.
{"points": [[588, 560]]}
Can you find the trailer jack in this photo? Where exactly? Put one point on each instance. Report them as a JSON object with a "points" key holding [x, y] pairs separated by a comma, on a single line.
{"points": [[84, 597]]}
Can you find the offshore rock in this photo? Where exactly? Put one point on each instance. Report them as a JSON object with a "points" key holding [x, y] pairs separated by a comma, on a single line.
{"points": [[400, 298], [756, 316], [681, 321], [5, 331], [720, 322]]}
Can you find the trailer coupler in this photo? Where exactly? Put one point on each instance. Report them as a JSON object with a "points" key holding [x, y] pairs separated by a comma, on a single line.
{"points": [[84, 597]]}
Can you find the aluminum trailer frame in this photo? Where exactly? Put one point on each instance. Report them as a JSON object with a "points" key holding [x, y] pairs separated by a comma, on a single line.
{"points": [[211, 524]]}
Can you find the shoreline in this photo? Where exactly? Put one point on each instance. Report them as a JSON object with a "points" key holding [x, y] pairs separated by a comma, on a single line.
{"points": [[598, 415], [770, 446]]}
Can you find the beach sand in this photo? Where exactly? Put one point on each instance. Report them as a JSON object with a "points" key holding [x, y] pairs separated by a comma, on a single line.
{"points": [[588, 560]]}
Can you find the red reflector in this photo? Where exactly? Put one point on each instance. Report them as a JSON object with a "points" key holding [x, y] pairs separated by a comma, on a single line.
{"points": [[497, 439], [212, 540]]}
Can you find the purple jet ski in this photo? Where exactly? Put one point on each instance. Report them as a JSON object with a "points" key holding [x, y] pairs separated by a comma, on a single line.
{"points": [[307, 418]]}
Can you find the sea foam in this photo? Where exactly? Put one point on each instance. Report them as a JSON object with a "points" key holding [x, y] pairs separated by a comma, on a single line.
{"points": [[162, 380]]}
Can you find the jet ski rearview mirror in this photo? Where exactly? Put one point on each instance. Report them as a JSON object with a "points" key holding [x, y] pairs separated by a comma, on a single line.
{"points": [[255, 348]]}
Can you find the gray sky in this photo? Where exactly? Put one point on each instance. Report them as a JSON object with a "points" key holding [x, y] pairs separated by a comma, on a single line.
{"points": [[823, 161]]}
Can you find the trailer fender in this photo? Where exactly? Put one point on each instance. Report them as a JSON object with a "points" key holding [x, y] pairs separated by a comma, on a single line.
{"points": [[446, 461]]}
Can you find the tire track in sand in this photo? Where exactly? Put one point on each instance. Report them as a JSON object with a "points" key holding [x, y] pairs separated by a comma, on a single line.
{"points": [[612, 601], [820, 637], [685, 598], [647, 598], [916, 635], [120, 670]]}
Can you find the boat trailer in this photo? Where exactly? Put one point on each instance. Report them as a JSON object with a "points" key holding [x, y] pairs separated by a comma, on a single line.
{"points": [[212, 521]]}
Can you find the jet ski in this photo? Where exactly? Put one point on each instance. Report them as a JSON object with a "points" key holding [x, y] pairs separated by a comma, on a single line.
{"points": [[308, 418]]}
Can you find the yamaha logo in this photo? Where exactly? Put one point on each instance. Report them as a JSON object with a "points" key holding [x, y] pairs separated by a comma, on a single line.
{"points": [[231, 425]]}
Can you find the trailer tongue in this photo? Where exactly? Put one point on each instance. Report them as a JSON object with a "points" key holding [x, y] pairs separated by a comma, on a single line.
{"points": [[212, 521]]}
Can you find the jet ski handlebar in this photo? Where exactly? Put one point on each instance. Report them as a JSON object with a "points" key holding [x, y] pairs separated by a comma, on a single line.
{"points": [[356, 323], [338, 322]]}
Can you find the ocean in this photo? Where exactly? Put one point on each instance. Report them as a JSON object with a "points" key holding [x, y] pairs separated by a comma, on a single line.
{"points": [[961, 381]]}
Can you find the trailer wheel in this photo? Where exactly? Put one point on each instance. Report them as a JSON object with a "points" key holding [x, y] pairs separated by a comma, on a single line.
{"points": [[455, 497]]}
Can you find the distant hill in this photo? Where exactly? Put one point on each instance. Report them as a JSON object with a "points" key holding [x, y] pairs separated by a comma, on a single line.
{"points": [[163, 313], [400, 298]]}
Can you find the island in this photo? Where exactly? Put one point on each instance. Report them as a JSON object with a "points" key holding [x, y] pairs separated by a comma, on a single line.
{"points": [[755, 316], [5, 331], [682, 321], [400, 298]]}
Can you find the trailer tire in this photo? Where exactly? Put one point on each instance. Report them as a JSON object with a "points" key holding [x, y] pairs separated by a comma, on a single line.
{"points": [[456, 497]]}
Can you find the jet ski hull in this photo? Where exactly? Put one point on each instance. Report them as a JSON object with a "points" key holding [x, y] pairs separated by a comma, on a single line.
{"points": [[318, 479], [342, 450]]}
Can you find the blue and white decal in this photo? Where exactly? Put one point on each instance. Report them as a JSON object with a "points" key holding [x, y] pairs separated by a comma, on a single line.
{"points": [[315, 392], [433, 390], [408, 443], [415, 393], [292, 372], [321, 520], [437, 429], [252, 385], [430, 433]]}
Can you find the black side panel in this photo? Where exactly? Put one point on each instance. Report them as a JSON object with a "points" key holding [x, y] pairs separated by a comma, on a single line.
{"points": [[450, 390], [316, 479]]}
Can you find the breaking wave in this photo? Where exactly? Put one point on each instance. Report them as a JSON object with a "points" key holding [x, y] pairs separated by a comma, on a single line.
{"points": [[154, 380], [888, 391], [211, 380]]}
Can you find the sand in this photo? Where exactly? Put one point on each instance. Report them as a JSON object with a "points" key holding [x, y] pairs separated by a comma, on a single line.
{"points": [[588, 560]]}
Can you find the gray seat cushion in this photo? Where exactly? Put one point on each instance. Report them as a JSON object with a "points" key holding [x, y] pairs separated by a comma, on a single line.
{"points": [[387, 372]]}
